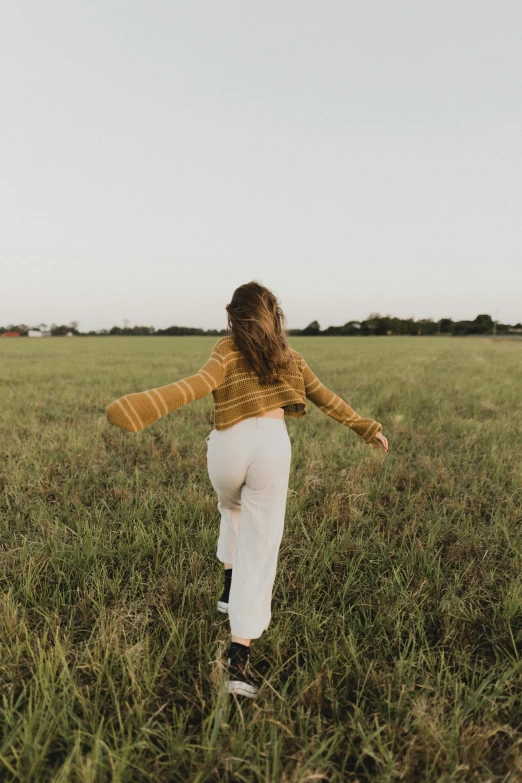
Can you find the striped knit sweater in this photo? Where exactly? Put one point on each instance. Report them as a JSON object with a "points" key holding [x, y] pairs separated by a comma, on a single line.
{"points": [[238, 395]]}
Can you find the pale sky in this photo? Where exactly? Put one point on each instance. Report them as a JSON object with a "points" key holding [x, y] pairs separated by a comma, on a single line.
{"points": [[353, 157]]}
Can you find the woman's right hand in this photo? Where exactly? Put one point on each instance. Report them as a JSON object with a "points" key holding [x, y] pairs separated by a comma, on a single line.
{"points": [[380, 442]]}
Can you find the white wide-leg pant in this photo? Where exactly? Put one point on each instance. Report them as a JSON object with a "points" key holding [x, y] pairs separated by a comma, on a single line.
{"points": [[249, 467]]}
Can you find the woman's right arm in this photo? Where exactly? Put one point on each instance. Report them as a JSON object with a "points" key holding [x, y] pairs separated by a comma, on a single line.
{"points": [[336, 407], [134, 412]]}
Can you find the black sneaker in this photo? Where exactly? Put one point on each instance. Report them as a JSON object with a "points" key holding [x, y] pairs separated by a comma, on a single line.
{"points": [[240, 680], [222, 603]]}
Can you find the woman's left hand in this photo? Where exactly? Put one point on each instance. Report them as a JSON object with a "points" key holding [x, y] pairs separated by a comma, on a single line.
{"points": [[380, 442]]}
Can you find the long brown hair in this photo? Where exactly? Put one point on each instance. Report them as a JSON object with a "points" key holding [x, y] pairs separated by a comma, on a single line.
{"points": [[258, 326]]}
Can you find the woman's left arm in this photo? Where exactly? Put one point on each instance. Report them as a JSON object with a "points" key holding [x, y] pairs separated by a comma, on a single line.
{"points": [[134, 412], [337, 408]]}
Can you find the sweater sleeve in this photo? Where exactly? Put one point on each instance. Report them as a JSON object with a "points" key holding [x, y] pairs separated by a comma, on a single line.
{"points": [[134, 412], [336, 407]]}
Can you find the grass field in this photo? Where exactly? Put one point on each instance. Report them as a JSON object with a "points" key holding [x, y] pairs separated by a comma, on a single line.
{"points": [[394, 650]]}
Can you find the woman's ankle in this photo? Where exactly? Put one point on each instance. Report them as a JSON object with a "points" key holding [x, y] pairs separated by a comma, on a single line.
{"points": [[245, 642]]}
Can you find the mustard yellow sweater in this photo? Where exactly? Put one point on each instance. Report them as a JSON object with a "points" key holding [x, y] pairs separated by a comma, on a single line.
{"points": [[238, 395]]}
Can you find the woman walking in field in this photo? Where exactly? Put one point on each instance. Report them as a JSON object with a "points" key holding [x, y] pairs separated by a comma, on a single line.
{"points": [[255, 379]]}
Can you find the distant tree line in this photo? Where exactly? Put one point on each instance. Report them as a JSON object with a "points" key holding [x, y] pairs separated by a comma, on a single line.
{"points": [[375, 324], [54, 329], [72, 328]]}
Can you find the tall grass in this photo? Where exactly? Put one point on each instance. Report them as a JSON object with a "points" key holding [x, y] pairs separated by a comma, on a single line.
{"points": [[394, 650]]}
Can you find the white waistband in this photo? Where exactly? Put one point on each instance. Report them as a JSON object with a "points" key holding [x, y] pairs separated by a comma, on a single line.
{"points": [[256, 422]]}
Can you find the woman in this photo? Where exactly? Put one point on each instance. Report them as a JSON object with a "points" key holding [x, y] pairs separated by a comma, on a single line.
{"points": [[255, 379]]}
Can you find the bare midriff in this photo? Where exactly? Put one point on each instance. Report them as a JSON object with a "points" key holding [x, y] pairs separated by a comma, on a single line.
{"points": [[277, 413]]}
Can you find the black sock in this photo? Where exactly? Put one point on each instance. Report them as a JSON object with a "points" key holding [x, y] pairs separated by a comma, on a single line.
{"points": [[228, 583], [239, 650]]}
